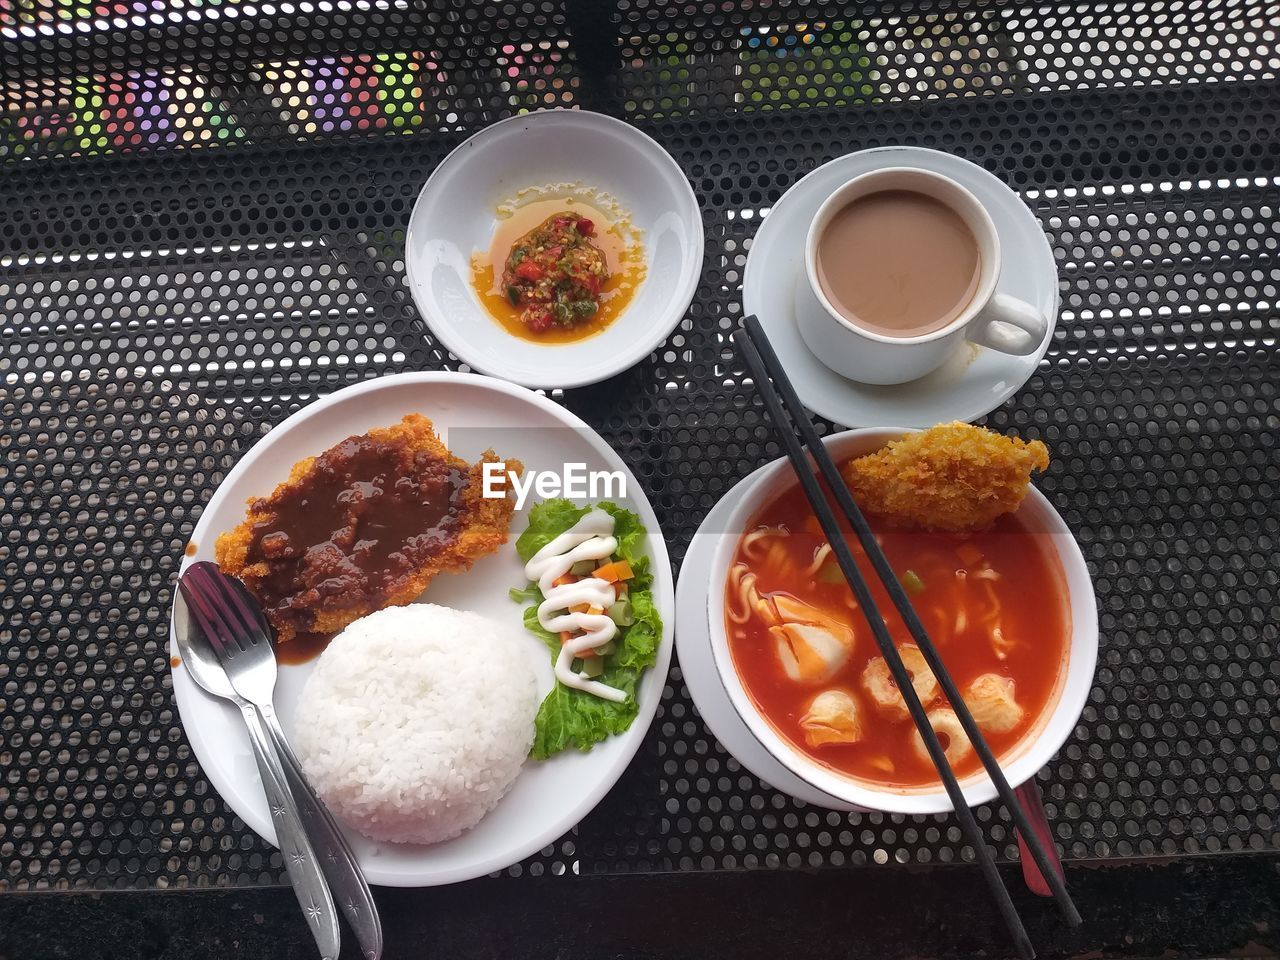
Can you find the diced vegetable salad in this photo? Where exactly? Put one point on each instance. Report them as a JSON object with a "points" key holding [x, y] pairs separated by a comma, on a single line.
{"points": [[569, 717]]}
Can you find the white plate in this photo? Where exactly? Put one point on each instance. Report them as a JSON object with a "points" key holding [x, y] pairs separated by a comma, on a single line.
{"points": [[471, 413], [698, 666], [456, 215], [975, 380]]}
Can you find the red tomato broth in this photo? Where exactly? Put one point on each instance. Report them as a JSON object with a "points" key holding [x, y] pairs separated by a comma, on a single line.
{"points": [[1034, 614]]}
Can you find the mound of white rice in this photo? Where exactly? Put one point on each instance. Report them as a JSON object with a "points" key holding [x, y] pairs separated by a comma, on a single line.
{"points": [[416, 720]]}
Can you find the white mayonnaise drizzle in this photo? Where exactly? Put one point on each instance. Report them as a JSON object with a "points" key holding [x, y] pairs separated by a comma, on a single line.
{"points": [[591, 538]]}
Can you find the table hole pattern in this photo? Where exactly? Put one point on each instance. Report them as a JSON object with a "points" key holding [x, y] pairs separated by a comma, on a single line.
{"points": [[161, 307], [233, 72]]}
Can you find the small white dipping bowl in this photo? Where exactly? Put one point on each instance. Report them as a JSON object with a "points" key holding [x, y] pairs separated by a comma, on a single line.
{"points": [[456, 215], [1020, 764]]}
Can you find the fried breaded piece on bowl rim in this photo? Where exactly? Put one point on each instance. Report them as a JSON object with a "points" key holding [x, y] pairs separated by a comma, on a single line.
{"points": [[952, 477]]}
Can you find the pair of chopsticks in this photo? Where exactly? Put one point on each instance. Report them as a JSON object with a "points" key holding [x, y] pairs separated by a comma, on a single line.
{"points": [[784, 409]]}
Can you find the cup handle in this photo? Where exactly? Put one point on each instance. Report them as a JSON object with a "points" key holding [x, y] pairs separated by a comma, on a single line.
{"points": [[1009, 325]]}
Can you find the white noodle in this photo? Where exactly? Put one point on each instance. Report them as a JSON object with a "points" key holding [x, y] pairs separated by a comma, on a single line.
{"points": [[819, 558], [749, 542], [744, 583]]}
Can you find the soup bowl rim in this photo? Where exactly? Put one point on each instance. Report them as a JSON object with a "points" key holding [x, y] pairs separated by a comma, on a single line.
{"points": [[1036, 748]]}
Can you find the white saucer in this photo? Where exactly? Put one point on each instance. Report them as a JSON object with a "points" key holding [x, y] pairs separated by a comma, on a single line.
{"points": [[697, 665], [975, 380], [457, 212]]}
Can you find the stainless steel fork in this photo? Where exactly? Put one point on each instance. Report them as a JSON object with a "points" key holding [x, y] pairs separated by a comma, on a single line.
{"points": [[242, 645]]}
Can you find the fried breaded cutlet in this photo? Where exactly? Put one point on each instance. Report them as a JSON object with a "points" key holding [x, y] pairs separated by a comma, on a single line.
{"points": [[954, 477], [365, 525]]}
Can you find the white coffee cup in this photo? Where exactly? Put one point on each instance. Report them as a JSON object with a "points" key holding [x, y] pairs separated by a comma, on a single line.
{"points": [[991, 319]]}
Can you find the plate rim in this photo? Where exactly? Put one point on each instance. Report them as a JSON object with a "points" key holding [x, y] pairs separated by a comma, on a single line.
{"points": [[693, 585], [903, 155], [187, 691], [642, 346]]}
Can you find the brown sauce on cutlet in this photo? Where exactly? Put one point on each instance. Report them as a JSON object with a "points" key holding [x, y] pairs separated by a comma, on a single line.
{"points": [[354, 528]]}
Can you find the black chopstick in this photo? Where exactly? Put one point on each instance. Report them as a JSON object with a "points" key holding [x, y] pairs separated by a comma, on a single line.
{"points": [[752, 342], [880, 563]]}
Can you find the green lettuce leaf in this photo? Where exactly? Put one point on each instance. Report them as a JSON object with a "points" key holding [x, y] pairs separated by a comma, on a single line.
{"points": [[640, 644], [568, 717], [549, 640], [547, 520]]}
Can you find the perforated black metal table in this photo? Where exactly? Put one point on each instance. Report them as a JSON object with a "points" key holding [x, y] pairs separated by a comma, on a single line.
{"points": [[201, 230]]}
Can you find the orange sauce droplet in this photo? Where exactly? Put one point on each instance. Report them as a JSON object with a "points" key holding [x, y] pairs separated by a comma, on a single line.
{"points": [[622, 253], [191, 548], [175, 662]]}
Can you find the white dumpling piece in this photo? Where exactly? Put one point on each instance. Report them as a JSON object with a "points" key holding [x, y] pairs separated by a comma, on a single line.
{"points": [[832, 717], [878, 682], [990, 698], [946, 725], [811, 645]]}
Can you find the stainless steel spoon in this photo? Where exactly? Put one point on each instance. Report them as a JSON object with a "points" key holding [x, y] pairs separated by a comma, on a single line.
{"points": [[300, 860], [240, 639]]}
